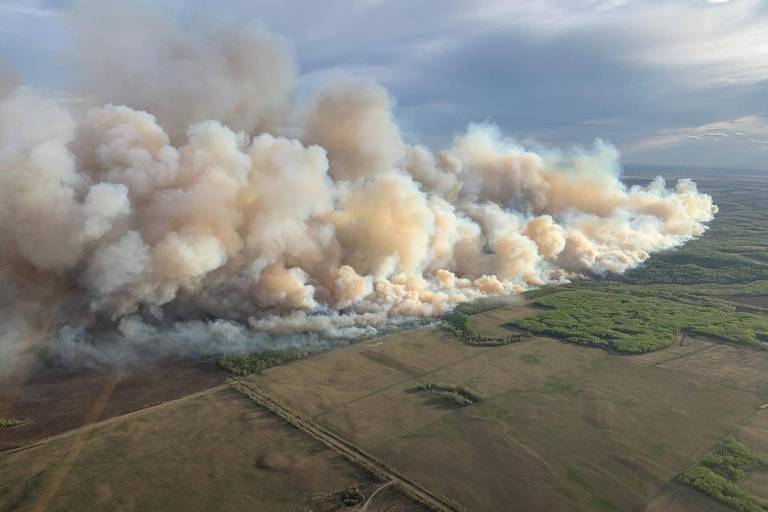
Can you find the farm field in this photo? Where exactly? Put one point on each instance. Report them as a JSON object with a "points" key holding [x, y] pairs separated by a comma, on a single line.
{"points": [[57, 400], [212, 451], [561, 427]]}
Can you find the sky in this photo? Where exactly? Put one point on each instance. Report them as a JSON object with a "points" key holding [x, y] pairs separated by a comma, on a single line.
{"points": [[681, 82]]}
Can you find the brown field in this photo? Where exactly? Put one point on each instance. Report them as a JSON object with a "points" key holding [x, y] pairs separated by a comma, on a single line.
{"points": [[755, 435], [562, 427], [212, 451], [496, 323], [732, 365], [56, 400], [676, 498], [759, 301]]}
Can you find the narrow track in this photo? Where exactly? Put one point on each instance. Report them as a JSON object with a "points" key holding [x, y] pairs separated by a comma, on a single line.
{"points": [[348, 450], [87, 427], [370, 498], [61, 470]]}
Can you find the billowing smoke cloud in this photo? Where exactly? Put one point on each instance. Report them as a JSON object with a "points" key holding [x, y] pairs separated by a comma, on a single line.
{"points": [[181, 202], [240, 75]]}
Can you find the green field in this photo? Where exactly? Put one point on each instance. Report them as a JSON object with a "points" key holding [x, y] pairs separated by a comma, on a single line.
{"points": [[632, 320]]}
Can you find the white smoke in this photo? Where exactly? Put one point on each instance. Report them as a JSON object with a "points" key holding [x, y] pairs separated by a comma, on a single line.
{"points": [[184, 201]]}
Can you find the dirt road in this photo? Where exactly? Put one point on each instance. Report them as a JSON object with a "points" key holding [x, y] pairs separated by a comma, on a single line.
{"points": [[348, 450], [370, 498]]}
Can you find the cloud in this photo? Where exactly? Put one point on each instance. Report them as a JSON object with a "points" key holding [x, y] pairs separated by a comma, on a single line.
{"points": [[713, 48], [549, 69], [544, 69], [749, 129], [27, 8]]}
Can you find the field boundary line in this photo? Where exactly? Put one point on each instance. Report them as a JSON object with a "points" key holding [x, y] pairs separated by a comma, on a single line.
{"points": [[108, 421], [480, 351], [348, 450]]}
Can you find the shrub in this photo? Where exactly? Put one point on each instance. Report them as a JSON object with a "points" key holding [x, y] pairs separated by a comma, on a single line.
{"points": [[11, 422], [459, 395], [458, 323], [721, 489], [733, 460]]}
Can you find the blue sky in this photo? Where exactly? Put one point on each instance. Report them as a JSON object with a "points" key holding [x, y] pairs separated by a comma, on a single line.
{"points": [[668, 82]]}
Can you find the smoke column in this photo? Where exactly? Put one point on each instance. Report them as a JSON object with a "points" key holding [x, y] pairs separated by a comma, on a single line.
{"points": [[180, 207]]}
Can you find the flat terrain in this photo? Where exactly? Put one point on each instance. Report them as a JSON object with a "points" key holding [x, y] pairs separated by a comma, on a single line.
{"points": [[562, 427], [56, 400], [676, 498], [213, 451], [349, 450]]}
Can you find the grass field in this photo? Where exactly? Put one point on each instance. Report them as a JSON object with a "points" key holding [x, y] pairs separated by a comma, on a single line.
{"points": [[558, 428], [216, 451], [51, 401]]}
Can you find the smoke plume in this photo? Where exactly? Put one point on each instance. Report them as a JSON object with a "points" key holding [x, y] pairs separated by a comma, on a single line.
{"points": [[178, 210]]}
